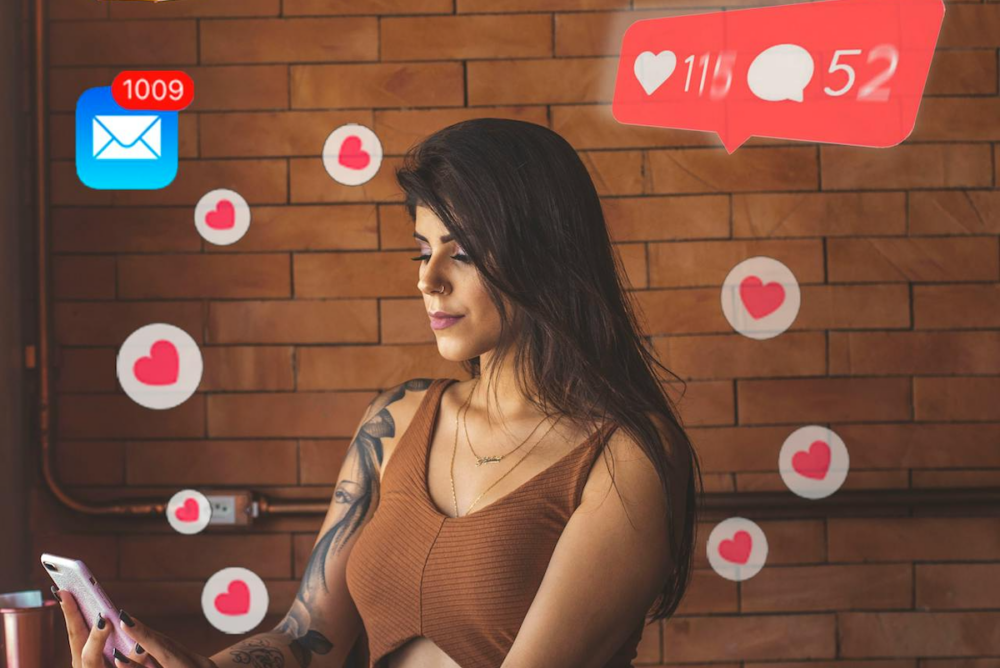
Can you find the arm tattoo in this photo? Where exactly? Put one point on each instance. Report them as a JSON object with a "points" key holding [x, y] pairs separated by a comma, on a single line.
{"points": [[257, 653], [356, 498]]}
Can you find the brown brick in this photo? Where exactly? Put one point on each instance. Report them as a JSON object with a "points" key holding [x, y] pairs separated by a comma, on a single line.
{"points": [[320, 461], [90, 463], [492, 6], [202, 275], [100, 552], [738, 449], [66, 84], [945, 586], [914, 445], [117, 416], [144, 10], [905, 166], [108, 323], [540, 81], [961, 72], [83, 277], [272, 134], [969, 398], [747, 170], [376, 85], [633, 257], [466, 37], [243, 87], [289, 40], [751, 637], [404, 321], [399, 129], [700, 263], [354, 367], [817, 588], [128, 43], [307, 228], [736, 356], [956, 306], [167, 558], [600, 33], [123, 230], [286, 415], [971, 25], [311, 183], [395, 227], [85, 369], [360, 274], [704, 403], [296, 321], [615, 172], [818, 214], [243, 368], [914, 539], [914, 353], [664, 218], [870, 634], [856, 481], [957, 119], [708, 593], [913, 259], [954, 212], [347, 7], [823, 400], [212, 463], [955, 479], [62, 10]]}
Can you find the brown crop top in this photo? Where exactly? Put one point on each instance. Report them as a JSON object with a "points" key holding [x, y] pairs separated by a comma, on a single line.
{"points": [[466, 583]]}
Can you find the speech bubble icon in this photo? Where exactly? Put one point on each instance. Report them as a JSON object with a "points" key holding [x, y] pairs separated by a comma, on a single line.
{"points": [[780, 73], [837, 71]]}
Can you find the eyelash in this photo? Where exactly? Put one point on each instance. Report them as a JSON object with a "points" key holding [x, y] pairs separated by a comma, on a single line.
{"points": [[461, 257]]}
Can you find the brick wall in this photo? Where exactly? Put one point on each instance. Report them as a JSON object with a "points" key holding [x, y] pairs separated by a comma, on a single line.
{"points": [[896, 345]]}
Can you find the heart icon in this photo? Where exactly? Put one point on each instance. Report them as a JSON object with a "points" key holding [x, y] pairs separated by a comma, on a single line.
{"points": [[652, 70], [738, 549], [223, 217], [759, 299], [236, 600], [352, 155], [815, 463], [161, 367], [188, 512]]}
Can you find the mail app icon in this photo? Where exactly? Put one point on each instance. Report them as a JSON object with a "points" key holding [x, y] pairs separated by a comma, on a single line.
{"points": [[123, 149], [127, 137]]}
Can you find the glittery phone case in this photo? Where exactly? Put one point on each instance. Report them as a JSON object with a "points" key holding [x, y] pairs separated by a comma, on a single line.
{"points": [[72, 575]]}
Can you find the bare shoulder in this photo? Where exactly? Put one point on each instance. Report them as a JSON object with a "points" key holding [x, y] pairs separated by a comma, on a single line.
{"points": [[392, 411]]}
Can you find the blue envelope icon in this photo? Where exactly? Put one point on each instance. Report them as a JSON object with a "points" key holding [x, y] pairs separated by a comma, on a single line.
{"points": [[123, 149]]}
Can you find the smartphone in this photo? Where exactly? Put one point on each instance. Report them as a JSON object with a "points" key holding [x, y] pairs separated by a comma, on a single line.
{"points": [[72, 575]]}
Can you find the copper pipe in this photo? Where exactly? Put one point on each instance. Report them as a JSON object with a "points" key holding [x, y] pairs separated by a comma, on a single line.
{"points": [[846, 501]]}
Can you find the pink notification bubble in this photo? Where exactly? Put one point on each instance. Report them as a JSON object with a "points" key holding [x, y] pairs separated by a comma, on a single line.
{"points": [[840, 71]]}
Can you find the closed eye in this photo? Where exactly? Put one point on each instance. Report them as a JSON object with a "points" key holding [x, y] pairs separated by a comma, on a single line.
{"points": [[461, 257]]}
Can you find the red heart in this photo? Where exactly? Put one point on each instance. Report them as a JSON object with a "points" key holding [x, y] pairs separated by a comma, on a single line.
{"points": [[161, 367], [236, 600], [738, 549], [759, 299], [352, 155], [188, 512], [815, 463], [223, 217]]}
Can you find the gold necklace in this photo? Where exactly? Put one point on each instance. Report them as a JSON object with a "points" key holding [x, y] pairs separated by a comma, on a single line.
{"points": [[454, 450], [488, 459]]}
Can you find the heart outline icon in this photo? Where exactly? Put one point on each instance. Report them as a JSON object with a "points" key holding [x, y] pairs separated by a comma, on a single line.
{"points": [[351, 155], [653, 70], [759, 299], [189, 512], [160, 367], [222, 217], [235, 600], [813, 463], [738, 549]]}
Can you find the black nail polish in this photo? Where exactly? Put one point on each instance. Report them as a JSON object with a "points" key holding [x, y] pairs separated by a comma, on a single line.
{"points": [[100, 621], [55, 592], [121, 657], [125, 618], [139, 649]]}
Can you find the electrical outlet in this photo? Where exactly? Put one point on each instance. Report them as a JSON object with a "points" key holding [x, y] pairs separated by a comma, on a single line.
{"points": [[231, 508]]}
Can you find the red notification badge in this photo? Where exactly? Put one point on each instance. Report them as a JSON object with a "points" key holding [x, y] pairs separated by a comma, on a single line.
{"points": [[840, 71], [153, 90]]}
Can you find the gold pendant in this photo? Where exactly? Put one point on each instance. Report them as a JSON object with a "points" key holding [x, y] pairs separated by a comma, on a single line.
{"points": [[487, 459]]}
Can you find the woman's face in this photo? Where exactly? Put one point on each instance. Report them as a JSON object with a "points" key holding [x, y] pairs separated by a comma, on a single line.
{"points": [[449, 282]]}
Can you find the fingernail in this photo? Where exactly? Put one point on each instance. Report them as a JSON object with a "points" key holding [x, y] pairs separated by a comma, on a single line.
{"points": [[139, 649], [121, 657], [55, 592], [100, 621], [125, 617]]}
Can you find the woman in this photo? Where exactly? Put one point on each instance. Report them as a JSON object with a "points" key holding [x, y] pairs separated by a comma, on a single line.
{"points": [[509, 550]]}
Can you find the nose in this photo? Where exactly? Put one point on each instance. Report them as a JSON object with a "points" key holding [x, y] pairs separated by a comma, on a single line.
{"points": [[432, 280]]}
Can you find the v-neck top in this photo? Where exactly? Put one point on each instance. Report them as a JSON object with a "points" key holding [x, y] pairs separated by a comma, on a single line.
{"points": [[466, 582]]}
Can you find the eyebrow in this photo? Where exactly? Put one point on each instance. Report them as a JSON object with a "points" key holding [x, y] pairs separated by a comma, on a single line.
{"points": [[444, 239]]}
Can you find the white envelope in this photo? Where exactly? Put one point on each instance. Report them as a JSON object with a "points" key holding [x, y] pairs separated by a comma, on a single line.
{"points": [[126, 137]]}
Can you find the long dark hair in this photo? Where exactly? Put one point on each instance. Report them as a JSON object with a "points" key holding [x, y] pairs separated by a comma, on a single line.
{"points": [[522, 205]]}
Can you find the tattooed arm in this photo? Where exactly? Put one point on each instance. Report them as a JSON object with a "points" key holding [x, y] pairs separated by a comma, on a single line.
{"points": [[323, 624]]}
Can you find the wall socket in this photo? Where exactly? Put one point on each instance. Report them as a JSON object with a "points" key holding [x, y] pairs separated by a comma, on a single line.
{"points": [[231, 507]]}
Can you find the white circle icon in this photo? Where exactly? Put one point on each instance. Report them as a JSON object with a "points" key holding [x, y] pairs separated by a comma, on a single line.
{"points": [[189, 511], [352, 154], [760, 297], [737, 549], [222, 216], [234, 600], [813, 462], [159, 366]]}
